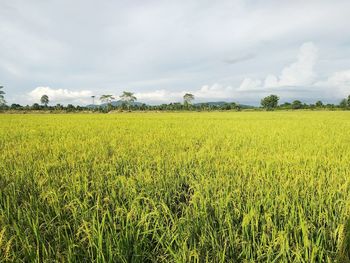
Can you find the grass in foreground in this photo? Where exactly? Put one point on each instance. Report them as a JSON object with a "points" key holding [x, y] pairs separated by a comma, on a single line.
{"points": [[185, 187]]}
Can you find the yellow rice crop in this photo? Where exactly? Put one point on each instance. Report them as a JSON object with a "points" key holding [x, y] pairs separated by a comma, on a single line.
{"points": [[175, 187]]}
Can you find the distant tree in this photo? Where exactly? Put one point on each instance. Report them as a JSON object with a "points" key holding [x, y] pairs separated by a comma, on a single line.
{"points": [[175, 106], [234, 106], [225, 106], [297, 105], [343, 104], [143, 106], [286, 105], [348, 101], [44, 100], [16, 106], [128, 98], [93, 99], [188, 97], [330, 106], [270, 102], [36, 106], [79, 108], [237, 107], [204, 106], [319, 104], [107, 98], [59, 107], [70, 107], [2, 97]]}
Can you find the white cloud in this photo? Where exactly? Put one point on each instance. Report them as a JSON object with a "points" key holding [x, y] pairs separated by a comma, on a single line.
{"points": [[301, 72], [338, 83], [206, 92], [295, 77], [215, 91], [155, 96], [298, 74], [163, 48], [340, 79], [250, 84], [61, 95]]}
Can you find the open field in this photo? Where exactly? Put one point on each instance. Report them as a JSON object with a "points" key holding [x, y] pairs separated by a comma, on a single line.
{"points": [[175, 187]]}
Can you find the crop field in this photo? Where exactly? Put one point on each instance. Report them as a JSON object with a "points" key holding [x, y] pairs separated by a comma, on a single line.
{"points": [[175, 187]]}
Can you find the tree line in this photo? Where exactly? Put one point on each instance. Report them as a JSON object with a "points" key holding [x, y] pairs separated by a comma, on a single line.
{"points": [[272, 102], [128, 100]]}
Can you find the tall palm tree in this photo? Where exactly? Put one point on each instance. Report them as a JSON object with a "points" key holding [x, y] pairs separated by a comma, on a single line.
{"points": [[2, 97], [93, 99], [128, 97], [44, 100], [107, 98], [188, 97], [2, 92]]}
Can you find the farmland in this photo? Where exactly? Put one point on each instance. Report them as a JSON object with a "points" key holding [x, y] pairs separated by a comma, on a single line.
{"points": [[175, 187]]}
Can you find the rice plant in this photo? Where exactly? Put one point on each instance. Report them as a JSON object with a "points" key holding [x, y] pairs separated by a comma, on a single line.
{"points": [[175, 187]]}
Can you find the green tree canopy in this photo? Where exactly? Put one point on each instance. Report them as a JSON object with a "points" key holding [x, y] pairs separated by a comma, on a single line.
{"points": [[2, 97], [270, 102], [319, 104], [128, 97], [107, 98], [343, 103], [2, 93], [188, 97], [44, 100], [297, 104]]}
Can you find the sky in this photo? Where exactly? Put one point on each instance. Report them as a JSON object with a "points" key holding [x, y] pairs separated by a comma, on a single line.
{"points": [[217, 50]]}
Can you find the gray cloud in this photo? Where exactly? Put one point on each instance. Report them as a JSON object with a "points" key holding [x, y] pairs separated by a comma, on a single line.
{"points": [[148, 46], [239, 59]]}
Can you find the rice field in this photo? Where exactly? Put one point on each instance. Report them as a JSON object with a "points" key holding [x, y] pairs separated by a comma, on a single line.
{"points": [[175, 187]]}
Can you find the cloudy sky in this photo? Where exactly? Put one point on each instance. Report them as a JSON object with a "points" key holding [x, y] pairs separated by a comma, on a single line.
{"points": [[218, 50]]}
